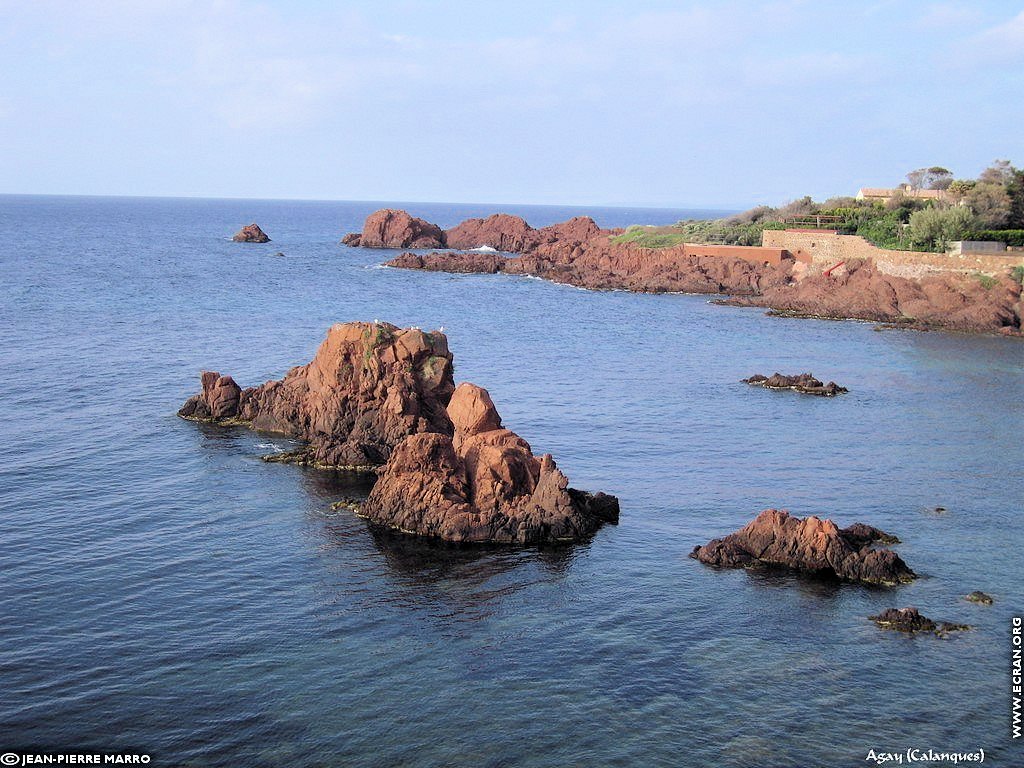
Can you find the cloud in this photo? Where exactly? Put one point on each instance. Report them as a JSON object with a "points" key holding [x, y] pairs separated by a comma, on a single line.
{"points": [[1004, 40]]}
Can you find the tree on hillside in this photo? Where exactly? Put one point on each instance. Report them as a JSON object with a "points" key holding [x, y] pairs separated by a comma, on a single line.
{"points": [[1000, 172], [1015, 189], [991, 205], [935, 177], [960, 187]]}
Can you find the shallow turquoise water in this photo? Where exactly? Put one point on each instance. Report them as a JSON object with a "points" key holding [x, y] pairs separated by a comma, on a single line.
{"points": [[165, 591]]}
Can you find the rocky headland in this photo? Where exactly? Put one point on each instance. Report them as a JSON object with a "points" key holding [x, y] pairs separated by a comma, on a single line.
{"points": [[251, 233], [811, 545], [481, 483], [375, 394], [804, 383], [580, 253]]}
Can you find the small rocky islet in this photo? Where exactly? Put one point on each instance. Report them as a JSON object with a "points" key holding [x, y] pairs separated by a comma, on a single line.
{"points": [[579, 252], [910, 621], [810, 545], [379, 398], [251, 233], [804, 383]]}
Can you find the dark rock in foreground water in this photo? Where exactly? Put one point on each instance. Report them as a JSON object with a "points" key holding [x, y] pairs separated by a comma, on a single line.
{"points": [[481, 485], [810, 544], [910, 620], [804, 383], [979, 597], [251, 233]]}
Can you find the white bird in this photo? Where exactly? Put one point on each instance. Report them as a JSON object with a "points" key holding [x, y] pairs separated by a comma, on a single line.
{"points": [[441, 329]]}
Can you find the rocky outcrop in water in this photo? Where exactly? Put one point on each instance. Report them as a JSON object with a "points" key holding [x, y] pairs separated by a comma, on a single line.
{"points": [[910, 620], [251, 233], [218, 401], [478, 262], [805, 383], [810, 544], [979, 597], [369, 386], [389, 228], [500, 231], [482, 484]]}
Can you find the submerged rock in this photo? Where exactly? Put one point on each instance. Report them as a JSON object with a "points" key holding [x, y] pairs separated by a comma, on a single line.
{"points": [[251, 233], [810, 544], [910, 620], [979, 597], [804, 383], [369, 386], [483, 484]]}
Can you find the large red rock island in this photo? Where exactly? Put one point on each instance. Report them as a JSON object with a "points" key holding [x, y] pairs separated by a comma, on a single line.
{"points": [[377, 394], [482, 484]]}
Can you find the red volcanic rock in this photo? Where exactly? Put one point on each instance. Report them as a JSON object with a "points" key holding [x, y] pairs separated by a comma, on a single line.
{"points": [[369, 386], [450, 261], [946, 300], [388, 228], [809, 544], [483, 485], [251, 233], [804, 383], [218, 400], [352, 238], [580, 229], [500, 231]]}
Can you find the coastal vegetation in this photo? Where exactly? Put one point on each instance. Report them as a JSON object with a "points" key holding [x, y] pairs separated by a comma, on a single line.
{"points": [[990, 207]]}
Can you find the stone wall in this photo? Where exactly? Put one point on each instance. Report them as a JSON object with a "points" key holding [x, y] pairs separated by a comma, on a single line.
{"points": [[762, 255], [824, 249]]}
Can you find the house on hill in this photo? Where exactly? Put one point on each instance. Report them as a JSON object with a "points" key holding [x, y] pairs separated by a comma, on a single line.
{"points": [[882, 195]]}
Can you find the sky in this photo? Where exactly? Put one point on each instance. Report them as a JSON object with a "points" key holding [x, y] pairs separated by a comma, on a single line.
{"points": [[676, 104]]}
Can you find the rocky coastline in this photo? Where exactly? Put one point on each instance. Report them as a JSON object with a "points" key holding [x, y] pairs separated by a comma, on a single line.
{"points": [[377, 398], [578, 252]]}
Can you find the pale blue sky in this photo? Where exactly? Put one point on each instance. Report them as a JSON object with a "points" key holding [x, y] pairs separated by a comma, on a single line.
{"points": [[644, 102]]}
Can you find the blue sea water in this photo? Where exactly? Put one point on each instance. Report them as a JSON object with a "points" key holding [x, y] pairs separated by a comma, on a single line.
{"points": [[164, 591]]}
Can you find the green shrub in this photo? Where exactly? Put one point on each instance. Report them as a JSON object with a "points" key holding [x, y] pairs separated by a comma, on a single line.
{"points": [[934, 228]]}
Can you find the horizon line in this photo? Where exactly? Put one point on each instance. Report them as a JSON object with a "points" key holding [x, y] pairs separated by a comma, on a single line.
{"points": [[712, 207]]}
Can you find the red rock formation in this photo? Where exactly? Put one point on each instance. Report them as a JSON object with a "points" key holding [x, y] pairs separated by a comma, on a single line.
{"points": [[369, 386], [948, 300], [450, 261], [251, 233], [804, 383], [580, 253], [482, 485], [500, 231], [353, 239], [808, 544], [388, 228], [218, 400]]}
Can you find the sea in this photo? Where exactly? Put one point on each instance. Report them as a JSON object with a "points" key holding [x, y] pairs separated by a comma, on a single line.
{"points": [[164, 592]]}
